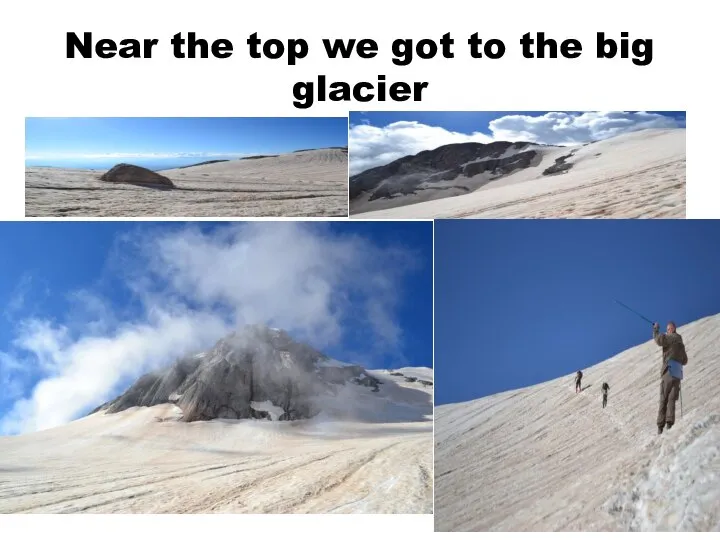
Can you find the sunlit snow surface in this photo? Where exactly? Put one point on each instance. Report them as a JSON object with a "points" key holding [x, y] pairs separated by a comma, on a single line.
{"points": [[543, 458], [368, 452]]}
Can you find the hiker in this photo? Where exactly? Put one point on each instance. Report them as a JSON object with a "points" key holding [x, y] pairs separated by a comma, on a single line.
{"points": [[578, 382], [605, 389], [674, 358]]}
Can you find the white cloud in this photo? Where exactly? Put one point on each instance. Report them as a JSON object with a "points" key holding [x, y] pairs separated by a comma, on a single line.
{"points": [[17, 300], [195, 287], [293, 277], [558, 128], [13, 375], [29, 293], [81, 372], [372, 146], [10, 363]]}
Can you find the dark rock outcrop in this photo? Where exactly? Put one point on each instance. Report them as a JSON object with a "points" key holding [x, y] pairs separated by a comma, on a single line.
{"points": [[343, 148], [155, 388], [560, 165], [254, 365], [500, 166], [411, 379], [366, 380], [446, 163], [124, 173], [209, 162], [259, 157]]}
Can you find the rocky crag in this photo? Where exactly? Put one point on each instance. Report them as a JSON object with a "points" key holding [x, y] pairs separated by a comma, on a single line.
{"points": [[444, 168], [257, 372]]}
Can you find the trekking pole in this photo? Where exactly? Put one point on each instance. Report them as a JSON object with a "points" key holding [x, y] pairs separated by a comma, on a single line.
{"points": [[635, 312]]}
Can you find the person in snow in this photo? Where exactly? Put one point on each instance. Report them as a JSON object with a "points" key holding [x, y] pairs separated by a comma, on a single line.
{"points": [[673, 358], [605, 389], [578, 382]]}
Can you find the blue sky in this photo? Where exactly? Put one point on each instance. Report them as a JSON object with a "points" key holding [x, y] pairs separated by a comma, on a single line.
{"points": [[520, 302], [461, 121], [96, 141], [134, 292], [378, 138]]}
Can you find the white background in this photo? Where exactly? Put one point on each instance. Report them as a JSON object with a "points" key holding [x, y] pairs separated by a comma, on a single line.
{"points": [[37, 80], [40, 81]]}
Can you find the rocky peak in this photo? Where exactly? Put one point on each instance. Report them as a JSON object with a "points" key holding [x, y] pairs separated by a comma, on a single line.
{"points": [[256, 372], [445, 163]]}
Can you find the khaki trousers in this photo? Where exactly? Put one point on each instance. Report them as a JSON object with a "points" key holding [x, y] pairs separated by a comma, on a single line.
{"points": [[669, 392]]}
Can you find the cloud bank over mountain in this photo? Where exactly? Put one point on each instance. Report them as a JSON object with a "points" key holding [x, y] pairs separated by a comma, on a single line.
{"points": [[373, 146], [190, 287]]}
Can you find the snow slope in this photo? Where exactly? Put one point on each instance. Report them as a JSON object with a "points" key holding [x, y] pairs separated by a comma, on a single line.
{"points": [[421, 373], [308, 183], [373, 454], [543, 458], [638, 174]]}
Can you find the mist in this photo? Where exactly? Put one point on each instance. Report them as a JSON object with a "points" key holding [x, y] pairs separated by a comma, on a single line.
{"points": [[194, 286]]}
